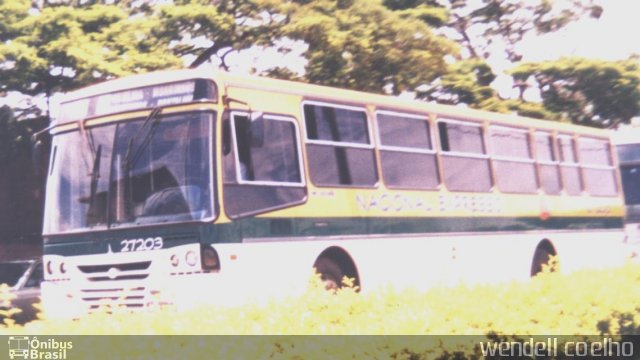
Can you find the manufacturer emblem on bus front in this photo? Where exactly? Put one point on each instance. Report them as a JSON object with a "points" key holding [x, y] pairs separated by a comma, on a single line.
{"points": [[112, 273]]}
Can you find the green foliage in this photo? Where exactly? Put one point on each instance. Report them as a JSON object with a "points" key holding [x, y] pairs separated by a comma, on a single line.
{"points": [[7, 313], [508, 22], [59, 48], [14, 136], [466, 82], [382, 46], [590, 302], [484, 29], [588, 92], [205, 31], [364, 45], [429, 11], [550, 303]]}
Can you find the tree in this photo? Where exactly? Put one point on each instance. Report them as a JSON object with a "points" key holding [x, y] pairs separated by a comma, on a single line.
{"points": [[437, 49], [484, 27], [466, 82], [361, 44], [588, 92], [14, 136], [60, 48], [488, 30], [355, 44], [206, 30]]}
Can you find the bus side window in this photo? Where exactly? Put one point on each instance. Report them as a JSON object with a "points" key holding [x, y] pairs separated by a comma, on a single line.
{"points": [[569, 167], [228, 155], [339, 147], [406, 151], [597, 166], [514, 165], [464, 158], [267, 174], [547, 163]]}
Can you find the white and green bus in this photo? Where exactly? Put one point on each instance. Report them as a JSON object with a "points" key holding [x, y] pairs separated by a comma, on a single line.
{"points": [[186, 186]]}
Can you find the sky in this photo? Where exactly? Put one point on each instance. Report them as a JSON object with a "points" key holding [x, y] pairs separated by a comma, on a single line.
{"points": [[611, 37]]}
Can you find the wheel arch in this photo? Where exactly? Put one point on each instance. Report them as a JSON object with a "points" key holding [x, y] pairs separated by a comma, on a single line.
{"points": [[541, 254], [345, 262]]}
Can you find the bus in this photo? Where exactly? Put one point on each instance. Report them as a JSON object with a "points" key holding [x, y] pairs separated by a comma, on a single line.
{"points": [[187, 186], [627, 143]]}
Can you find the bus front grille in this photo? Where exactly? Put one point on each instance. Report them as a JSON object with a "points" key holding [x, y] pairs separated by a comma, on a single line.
{"points": [[134, 297], [122, 271], [116, 285]]}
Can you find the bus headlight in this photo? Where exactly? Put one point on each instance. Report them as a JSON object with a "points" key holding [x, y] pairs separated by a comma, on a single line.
{"points": [[191, 258], [63, 268], [175, 260], [49, 267], [210, 260]]}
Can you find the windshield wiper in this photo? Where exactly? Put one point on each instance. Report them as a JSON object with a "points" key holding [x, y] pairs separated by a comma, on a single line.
{"points": [[87, 135], [131, 157], [93, 187]]}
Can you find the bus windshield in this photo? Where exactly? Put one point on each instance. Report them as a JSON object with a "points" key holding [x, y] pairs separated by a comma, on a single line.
{"points": [[141, 171]]}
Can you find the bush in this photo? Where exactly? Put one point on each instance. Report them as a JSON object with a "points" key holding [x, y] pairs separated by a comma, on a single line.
{"points": [[602, 302]]}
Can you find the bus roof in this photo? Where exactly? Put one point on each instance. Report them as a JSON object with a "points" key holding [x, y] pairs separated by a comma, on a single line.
{"points": [[226, 80]]}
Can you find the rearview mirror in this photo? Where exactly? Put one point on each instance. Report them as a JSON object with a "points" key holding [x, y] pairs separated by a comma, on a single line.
{"points": [[36, 157]]}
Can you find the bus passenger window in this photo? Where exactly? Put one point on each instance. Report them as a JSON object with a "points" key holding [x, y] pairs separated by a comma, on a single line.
{"points": [[275, 160], [268, 165], [406, 152], [569, 168], [547, 163], [595, 160], [339, 147], [465, 161], [514, 166]]}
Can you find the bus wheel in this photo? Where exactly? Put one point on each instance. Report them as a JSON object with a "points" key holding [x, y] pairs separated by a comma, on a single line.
{"points": [[330, 273], [541, 257]]}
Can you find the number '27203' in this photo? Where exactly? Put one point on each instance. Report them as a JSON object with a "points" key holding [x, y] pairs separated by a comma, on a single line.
{"points": [[150, 243]]}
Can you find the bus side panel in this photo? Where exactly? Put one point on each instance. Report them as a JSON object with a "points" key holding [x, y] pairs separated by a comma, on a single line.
{"points": [[276, 268]]}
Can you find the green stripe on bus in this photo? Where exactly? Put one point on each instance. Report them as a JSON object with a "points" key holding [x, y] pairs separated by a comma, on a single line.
{"points": [[303, 227], [266, 229]]}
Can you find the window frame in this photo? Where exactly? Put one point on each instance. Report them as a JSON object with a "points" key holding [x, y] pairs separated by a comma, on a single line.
{"points": [[468, 155], [363, 109], [407, 149], [270, 117], [596, 166], [555, 152], [530, 160], [477, 124], [563, 163], [343, 144], [495, 158], [213, 117], [610, 167]]}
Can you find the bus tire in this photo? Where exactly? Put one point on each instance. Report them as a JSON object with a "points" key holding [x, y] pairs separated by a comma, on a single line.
{"points": [[541, 257], [330, 272]]}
